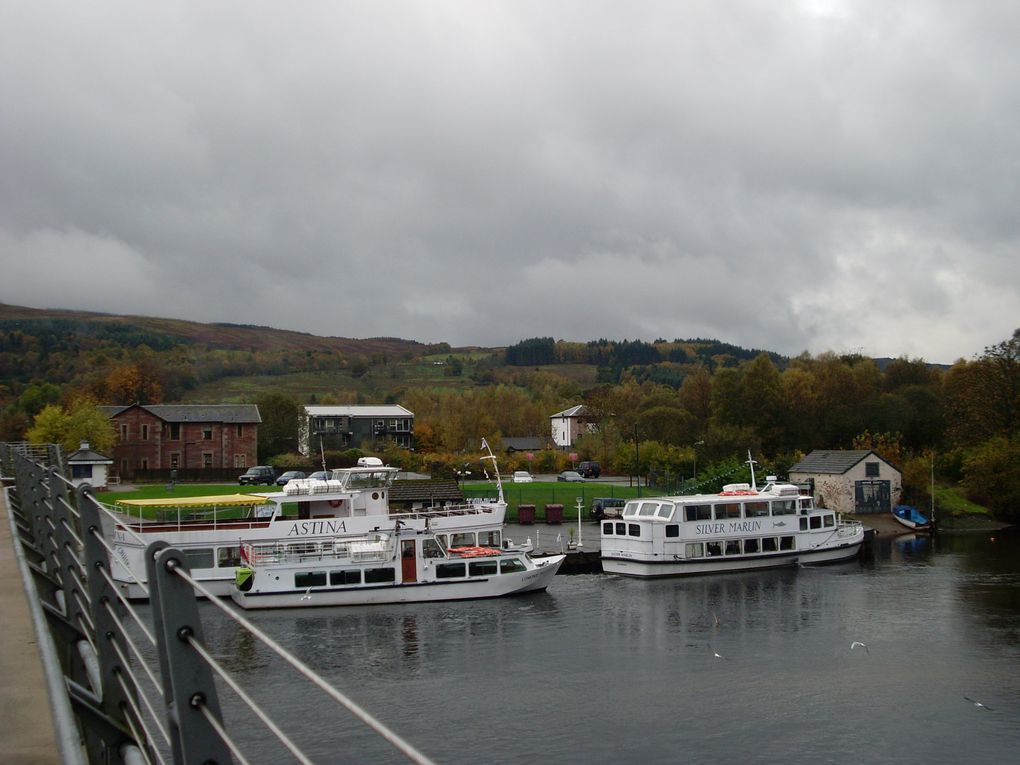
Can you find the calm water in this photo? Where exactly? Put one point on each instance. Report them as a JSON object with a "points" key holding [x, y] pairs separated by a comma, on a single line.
{"points": [[602, 669]]}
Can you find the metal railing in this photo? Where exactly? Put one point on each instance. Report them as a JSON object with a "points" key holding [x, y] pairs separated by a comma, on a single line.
{"points": [[110, 704]]}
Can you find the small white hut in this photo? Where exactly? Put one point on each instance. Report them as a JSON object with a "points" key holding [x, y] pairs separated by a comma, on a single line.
{"points": [[89, 467]]}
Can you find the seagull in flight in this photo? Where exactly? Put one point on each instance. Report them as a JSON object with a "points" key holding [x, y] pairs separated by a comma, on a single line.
{"points": [[978, 704], [307, 595], [857, 643]]}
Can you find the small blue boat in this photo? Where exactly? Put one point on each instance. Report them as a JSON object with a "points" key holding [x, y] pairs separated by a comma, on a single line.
{"points": [[911, 517]]}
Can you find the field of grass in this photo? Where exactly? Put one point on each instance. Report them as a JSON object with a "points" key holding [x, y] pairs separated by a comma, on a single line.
{"points": [[542, 493]]}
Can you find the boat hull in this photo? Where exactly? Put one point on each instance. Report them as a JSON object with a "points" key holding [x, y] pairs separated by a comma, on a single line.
{"points": [[504, 585], [671, 568]]}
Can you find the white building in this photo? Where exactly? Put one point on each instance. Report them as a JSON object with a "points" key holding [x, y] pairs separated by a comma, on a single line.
{"points": [[569, 424], [850, 480], [89, 467]]}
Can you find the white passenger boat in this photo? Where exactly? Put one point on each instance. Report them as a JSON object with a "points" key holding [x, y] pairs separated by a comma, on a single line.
{"points": [[399, 565], [738, 529], [352, 501]]}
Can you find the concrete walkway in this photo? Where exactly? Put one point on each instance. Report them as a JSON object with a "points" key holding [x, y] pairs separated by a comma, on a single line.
{"points": [[26, 720]]}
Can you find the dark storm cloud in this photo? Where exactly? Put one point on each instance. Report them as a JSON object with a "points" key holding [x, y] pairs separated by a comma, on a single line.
{"points": [[807, 176]]}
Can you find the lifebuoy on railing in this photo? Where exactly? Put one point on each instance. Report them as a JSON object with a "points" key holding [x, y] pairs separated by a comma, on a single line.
{"points": [[335, 502]]}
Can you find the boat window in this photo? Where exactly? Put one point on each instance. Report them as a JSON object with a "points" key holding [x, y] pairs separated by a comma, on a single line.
{"points": [[305, 579], [665, 511], [462, 540], [633, 530], [713, 549], [228, 557], [430, 548], [631, 509], [805, 504], [751, 546], [672, 530], [450, 570], [694, 550], [729, 510], [511, 566], [786, 543], [489, 539], [201, 557], [374, 575], [698, 513], [621, 528], [756, 509], [607, 528], [768, 544], [733, 547], [816, 521], [829, 520], [345, 576], [482, 568], [784, 507], [648, 508], [803, 523]]}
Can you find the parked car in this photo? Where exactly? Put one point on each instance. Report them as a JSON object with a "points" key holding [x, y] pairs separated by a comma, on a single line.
{"points": [[607, 507], [290, 475], [522, 476], [320, 475], [571, 476], [589, 469], [256, 475]]}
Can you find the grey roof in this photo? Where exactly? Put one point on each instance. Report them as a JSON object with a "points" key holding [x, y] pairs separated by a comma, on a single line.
{"points": [[524, 443], [83, 456], [436, 490], [575, 411], [228, 413], [830, 461]]}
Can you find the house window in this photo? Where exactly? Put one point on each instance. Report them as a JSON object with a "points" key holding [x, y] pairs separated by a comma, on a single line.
{"points": [[145, 432], [125, 467], [144, 465], [871, 469], [239, 461], [175, 431], [240, 430], [123, 431], [175, 460], [207, 459], [207, 434]]}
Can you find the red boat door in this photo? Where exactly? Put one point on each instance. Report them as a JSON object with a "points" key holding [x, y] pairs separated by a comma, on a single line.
{"points": [[408, 561]]}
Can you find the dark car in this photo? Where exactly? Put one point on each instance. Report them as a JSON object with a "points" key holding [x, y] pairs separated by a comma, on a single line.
{"points": [[589, 469], [570, 476], [319, 475], [256, 475], [290, 475]]}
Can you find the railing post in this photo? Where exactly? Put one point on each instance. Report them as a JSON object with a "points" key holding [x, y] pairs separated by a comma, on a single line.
{"points": [[187, 680], [110, 642]]}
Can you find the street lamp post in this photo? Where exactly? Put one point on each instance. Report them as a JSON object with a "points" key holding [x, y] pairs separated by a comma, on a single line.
{"points": [[695, 477]]}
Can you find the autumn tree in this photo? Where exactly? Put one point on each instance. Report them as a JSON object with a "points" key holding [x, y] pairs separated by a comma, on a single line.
{"points": [[80, 421]]}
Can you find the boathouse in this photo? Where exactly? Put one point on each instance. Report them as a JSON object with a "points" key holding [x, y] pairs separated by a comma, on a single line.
{"points": [[850, 480]]}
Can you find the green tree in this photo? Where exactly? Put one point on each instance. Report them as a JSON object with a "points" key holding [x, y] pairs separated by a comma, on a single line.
{"points": [[81, 421], [281, 420]]}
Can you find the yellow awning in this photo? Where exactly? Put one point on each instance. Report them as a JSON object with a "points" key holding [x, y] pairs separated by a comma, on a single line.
{"points": [[223, 500]]}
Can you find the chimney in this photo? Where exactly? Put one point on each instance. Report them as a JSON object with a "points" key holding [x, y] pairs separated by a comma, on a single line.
{"points": [[84, 446]]}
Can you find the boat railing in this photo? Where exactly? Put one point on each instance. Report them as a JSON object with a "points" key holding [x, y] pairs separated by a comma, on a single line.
{"points": [[129, 684], [339, 551], [447, 511]]}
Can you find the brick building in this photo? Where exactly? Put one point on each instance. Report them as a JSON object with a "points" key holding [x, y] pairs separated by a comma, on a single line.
{"points": [[196, 440]]}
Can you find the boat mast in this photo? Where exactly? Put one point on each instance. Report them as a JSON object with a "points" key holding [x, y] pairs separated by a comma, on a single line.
{"points": [[495, 467], [751, 463]]}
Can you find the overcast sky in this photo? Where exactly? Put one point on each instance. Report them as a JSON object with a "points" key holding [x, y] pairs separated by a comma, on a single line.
{"points": [[796, 176]]}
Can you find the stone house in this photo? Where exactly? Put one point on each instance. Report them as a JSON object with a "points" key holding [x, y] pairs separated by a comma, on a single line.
{"points": [[850, 481], [211, 441]]}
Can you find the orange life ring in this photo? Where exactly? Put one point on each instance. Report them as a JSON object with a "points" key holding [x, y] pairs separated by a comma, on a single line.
{"points": [[335, 502]]}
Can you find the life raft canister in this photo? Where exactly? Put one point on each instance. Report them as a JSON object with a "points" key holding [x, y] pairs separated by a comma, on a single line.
{"points": [[244, 578]]}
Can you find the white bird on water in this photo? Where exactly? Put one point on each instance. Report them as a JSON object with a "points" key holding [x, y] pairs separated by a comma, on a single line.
{"points": [[857, 643], [978, 704]]}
